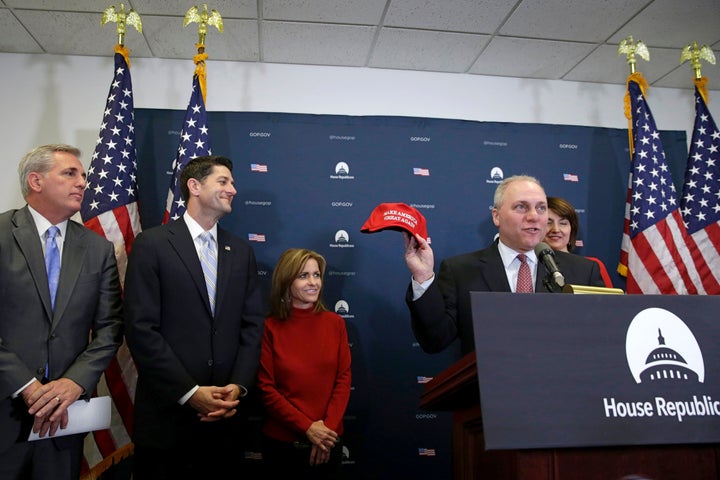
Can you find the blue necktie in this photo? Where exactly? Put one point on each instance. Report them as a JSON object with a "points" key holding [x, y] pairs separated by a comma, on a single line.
{"points": [[52, 261], [208, 260]]}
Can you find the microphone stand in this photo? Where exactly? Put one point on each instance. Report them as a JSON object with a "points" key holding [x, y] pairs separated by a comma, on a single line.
{"points": [[551, 285]]}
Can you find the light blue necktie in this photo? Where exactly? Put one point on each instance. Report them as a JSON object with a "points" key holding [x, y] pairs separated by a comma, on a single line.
{"points": [[208, 260], [52, 261]]}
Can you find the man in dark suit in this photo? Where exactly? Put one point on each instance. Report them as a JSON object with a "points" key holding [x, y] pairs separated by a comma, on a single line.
{"points": [[195, 339], [51, 355], [440, 308]]}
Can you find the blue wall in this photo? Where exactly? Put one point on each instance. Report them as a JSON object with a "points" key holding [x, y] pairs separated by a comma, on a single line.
{"points": [[325, 174]]}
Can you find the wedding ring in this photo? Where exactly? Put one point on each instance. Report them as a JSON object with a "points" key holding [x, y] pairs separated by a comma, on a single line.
{"points": [[58, 399]]}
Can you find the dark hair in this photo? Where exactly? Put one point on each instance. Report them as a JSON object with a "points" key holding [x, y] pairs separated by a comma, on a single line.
{"points": [[199, 168], [289, 265], [564, 209]]}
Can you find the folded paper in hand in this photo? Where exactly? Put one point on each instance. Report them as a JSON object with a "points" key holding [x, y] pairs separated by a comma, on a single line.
{"points": [[83, 416]]}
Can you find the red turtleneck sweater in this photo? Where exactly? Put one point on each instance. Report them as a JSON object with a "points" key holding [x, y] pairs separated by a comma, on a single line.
{"points": [[304, 373]]}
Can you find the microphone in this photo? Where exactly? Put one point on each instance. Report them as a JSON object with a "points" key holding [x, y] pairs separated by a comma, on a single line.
{"points": [[546, 255]]}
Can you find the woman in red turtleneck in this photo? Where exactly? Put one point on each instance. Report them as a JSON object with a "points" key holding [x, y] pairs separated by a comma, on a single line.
{"points": [[304, 377]]}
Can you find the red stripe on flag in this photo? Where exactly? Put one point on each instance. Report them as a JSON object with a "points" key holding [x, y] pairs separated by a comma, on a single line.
{"points": [[713, 232], [125, 225], [119, 393], [681, 269], [94, 225], [104, 442], [652, 264], [710, 284]]}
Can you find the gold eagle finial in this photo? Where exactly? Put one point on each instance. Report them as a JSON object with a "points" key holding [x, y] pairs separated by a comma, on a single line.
{"points": [[633, 49], [694, 53], [194, 14], [121, 18]]}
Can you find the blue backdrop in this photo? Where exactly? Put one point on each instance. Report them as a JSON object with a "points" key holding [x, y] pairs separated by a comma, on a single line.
{"points": [[312, 181]]}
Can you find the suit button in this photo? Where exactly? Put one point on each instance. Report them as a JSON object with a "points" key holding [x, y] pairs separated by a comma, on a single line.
{"points": [[210, 363], [40, 371]]}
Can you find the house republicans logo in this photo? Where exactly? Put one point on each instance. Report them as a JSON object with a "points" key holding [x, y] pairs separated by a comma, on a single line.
{"points": [[342, 308], [661, 351], [342, 172], [660, 348], [496, 175], [342, 240]]}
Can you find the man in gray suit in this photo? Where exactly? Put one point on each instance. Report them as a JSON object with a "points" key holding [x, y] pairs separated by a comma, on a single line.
{"points": [[440, 307], [195, 336], [53, 346]]}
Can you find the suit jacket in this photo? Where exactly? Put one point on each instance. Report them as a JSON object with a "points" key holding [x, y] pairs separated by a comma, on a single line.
{"points": [[88, 299], [443, 313], [174, 339]]}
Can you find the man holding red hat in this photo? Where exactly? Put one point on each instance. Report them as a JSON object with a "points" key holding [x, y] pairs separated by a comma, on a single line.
{"points": [[440, 307]]}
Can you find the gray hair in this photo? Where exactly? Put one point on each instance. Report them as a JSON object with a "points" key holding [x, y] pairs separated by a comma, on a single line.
{"points": [[40, 160], [499, 197]]}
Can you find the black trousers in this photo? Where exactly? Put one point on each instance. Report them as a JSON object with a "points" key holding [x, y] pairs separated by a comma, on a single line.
{"points": [[43, 460], [292, 460], [207, 450]]}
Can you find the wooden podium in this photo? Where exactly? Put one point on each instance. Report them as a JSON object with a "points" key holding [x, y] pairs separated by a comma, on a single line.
{"points": [[456, 390]]}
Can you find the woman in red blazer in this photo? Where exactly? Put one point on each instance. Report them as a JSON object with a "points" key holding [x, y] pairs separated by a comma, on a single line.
{"points": [[562, 231]]}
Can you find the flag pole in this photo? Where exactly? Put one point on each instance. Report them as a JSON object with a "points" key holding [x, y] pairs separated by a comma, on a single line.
{"points": [[203, 18], [632, 50], [122, 19], [112, 213], [694, 53], [194, 136]]}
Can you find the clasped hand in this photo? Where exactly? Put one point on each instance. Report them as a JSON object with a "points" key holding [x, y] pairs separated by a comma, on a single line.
{"points": [[48, 403], [215, 403], [323, 440]]}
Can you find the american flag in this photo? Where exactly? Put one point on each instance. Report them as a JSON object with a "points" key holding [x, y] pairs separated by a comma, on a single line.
{"points": [[700, 201], [109, 208], [422, 379], [256, 237], [421, 171], [257, 167], [426, 452], [655, 253], [570, 177], [194, 142]]}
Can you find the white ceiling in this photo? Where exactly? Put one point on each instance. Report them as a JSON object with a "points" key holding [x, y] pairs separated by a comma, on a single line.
{"points": [[573, 40]]}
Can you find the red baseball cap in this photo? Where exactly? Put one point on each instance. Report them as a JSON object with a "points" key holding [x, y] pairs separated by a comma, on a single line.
{"points": [[396, 216]]}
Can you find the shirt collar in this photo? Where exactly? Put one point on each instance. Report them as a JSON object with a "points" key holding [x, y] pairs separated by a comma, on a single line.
{"points": [[42, 223], [508, 254], [196, 229]]}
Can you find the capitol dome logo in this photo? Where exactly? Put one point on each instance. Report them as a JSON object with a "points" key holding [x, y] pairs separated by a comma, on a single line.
{"points": [[342, 168], [496, 173], [341, 236], [342, 172], [342, 240], [660, 348], [342, 307]]}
